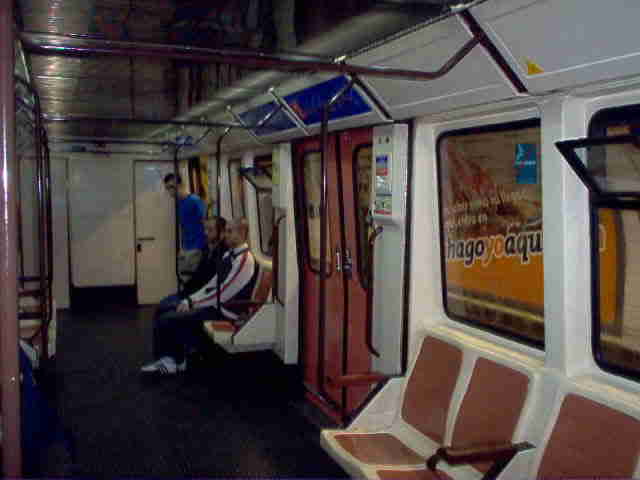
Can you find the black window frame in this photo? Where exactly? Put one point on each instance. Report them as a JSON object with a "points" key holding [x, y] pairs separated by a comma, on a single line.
{"points": [[598, 199], [259, 163], [362, 242], [307, 245], [230, 165], [497, 127]]}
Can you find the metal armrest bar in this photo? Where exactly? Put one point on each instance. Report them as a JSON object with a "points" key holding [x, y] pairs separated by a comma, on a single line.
{"points": [[500, 455]]}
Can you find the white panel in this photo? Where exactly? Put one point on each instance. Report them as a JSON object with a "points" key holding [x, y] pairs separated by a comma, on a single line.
{"points": [[60, 231], [573, 42], [288, 280], [474, 80], [389, 251], [101, 208], [155, 233]]}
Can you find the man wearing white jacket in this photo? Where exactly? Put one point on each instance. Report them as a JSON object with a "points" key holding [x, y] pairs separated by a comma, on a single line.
{"points": [[225, 296]]}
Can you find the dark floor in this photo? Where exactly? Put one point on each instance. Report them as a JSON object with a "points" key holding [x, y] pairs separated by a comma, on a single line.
{"points": [[228, 416]]}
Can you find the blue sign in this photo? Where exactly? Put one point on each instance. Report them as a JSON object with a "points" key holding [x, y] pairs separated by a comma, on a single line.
{"points": [[278, 123], [526, 164], [308, 103]]}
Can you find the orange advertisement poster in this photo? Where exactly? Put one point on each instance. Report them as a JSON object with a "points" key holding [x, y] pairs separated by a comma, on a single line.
{"points": [[492, 226], [492, 218]]}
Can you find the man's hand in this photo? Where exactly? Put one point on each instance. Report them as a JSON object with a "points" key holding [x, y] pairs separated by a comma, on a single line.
{"points": [[183, 306]]}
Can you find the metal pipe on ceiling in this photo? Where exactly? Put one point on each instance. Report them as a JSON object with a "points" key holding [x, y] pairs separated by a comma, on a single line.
{"points": [[37, 43], [347, 37], [141, 121]]}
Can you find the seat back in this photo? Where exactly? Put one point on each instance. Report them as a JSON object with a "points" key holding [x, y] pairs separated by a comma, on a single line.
{"points": [[261, 291], [590, 439], [430, 387], [491, 407]]}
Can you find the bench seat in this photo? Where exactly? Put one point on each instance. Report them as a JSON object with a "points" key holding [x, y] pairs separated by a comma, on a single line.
{"points": [[454, 395], [256, 330]]}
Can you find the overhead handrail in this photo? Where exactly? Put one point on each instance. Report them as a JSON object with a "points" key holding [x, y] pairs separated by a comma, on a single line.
{"points": [[276, 259], [45, 237], [369, 332], [64, 45]]}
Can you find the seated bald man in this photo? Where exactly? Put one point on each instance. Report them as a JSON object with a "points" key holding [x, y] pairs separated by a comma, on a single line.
{"points": [[225, 296]]}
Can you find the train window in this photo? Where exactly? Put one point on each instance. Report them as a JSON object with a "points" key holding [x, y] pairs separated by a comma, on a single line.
{"points": [[198, 179], [491, 228], [312, 189], [609, 164], [259, 176], [236, 188], [362, 177]]}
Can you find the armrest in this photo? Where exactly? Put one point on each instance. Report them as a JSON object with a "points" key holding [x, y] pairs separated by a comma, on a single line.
{"points": [[499, 454], [357, 379]]}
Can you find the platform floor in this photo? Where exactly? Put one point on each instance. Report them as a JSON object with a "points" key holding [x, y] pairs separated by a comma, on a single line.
{"points": [[227, 416]]}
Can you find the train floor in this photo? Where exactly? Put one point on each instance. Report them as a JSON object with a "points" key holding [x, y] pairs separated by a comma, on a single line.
{"points": [[228, 416]]}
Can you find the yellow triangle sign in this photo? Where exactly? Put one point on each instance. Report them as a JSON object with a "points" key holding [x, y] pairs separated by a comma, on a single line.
{"points": [[533, 68]]}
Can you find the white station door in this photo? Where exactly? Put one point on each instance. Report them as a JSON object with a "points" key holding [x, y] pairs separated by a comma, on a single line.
{"points": [[155, 233]]}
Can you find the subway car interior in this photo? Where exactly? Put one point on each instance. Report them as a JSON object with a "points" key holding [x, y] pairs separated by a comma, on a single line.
{"points": [[442, 264]]}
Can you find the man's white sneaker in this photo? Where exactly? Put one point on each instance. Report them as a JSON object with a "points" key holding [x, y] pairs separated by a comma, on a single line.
{"points": [[165, 366]]}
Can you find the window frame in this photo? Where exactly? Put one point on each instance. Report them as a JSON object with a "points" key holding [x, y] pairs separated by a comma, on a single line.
{"points": [[259, 163], [230, 164], [363, 270], [307, 245], [599, 122], [531, 122]]}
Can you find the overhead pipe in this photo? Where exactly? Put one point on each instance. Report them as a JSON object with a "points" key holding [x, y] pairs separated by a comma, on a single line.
{"points": [[476, 30], [141, 121], [345, 38], [36, 43], [291, 113], [45, 236], [9, 366]]}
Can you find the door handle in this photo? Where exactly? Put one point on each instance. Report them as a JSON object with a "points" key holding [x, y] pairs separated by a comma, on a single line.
{"points": [[146, 239]]}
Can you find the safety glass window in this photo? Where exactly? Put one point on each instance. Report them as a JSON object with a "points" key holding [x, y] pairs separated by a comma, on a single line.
{"points": [[607, 163], [312, 190], [236, 187], [363, 166], [491, 229], [259, 176]]}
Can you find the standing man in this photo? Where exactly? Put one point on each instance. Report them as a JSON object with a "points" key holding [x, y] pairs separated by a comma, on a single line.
{"points": [[224, 296], [191, 212]]}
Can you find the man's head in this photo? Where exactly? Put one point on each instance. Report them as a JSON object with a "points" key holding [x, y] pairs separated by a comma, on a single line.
{"points": [[236, 232], [173, 183], [214, 228]]}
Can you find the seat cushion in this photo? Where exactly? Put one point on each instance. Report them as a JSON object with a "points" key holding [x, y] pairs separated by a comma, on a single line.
{"points": [[422, 474], [378, 448]]}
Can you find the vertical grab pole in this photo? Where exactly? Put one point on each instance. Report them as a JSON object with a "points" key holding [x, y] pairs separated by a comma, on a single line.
{"points": [[372, 242], [49, 245], [177, 216], [40, 186], [323, 245], [324, 146], [218, 197], [9, 365]]}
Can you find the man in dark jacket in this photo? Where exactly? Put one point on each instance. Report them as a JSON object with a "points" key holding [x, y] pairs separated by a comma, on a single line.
{"points": [[216, 246], [224, 296]]}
